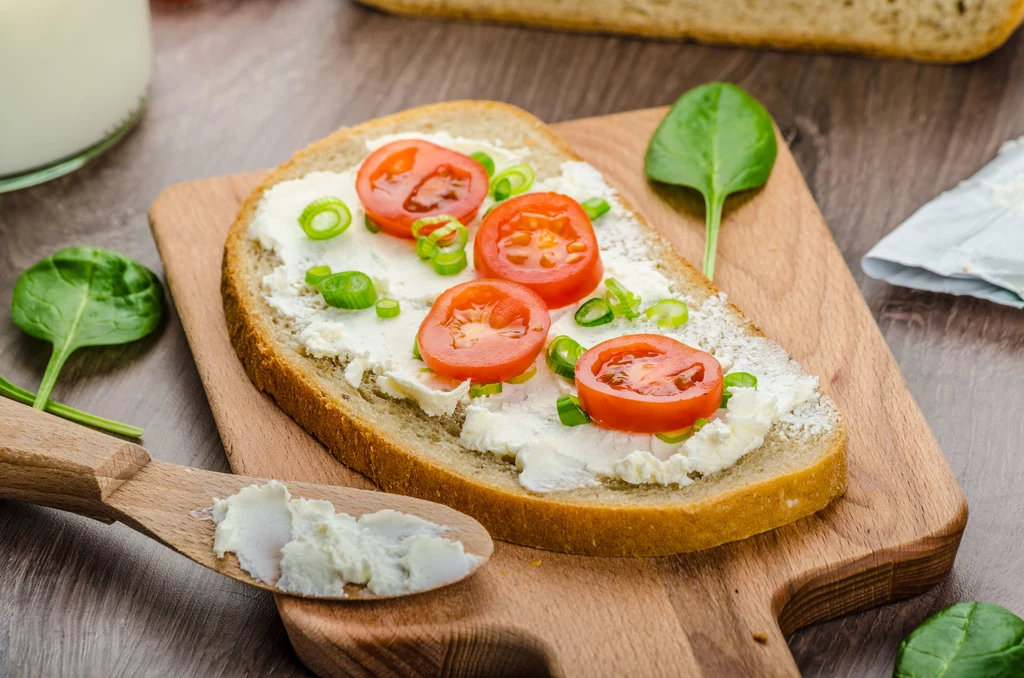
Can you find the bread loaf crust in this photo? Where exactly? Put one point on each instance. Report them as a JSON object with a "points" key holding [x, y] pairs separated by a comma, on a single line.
{"points": [[944, 32], [375, 437]]}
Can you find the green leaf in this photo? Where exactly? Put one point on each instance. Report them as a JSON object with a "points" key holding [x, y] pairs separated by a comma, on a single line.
{"points": [[85, 296], [718, 140], [966, 640]]}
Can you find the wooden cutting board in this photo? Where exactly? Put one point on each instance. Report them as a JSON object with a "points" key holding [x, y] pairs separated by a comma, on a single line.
{"points": [[722, 612]]}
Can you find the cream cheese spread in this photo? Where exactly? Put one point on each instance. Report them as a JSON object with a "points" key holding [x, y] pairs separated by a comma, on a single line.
{"points": [[521, 423], [302, 546]]}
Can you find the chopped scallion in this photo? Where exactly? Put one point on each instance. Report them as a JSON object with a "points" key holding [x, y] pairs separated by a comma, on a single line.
{"points": [[451, 237], [511, 181], [445, 246], [325, 218], [370, 226], [484, 390], [595, 207], [562, 355], [668, 313], [525, 376], [674, 437], [622, 301], [416, 349], [502, 189], [420, 224], [387, 308], [593, 313], [733, 379], [484, 160], [316, 274], [569, 411], [449, 263], [350, 289]]}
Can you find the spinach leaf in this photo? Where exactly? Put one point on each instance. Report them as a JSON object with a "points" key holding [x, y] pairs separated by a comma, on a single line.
{"points": [[85, 296], [966, 640], [716, 139], [9, 390]]}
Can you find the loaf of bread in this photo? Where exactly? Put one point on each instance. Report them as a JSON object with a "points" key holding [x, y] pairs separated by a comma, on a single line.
{"points": [[402, 449], [925, 30]]}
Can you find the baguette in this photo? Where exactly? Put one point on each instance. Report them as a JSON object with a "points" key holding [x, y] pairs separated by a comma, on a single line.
{"points": [[403, 450], [948, 31]]}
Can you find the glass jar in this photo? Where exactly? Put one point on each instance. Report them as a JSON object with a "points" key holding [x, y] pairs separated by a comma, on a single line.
{"points": [[74, 78]]}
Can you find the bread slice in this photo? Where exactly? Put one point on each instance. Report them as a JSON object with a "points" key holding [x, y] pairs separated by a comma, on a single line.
{"points": [[925, 30], [405, 451]]}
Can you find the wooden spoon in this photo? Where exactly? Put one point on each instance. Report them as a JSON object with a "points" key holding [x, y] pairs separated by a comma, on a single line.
{"points": [[47, 460]]}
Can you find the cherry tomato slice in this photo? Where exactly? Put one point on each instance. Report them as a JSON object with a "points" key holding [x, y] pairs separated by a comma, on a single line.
{"points": [[410, 179], [485, 330], [648, 383], [544, 241]]}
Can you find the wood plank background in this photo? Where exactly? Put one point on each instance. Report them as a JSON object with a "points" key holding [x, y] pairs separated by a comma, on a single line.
{"points": [[240, 85]]}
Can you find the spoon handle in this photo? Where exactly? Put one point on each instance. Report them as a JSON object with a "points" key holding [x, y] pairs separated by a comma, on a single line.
{"points": [[47, 460]]}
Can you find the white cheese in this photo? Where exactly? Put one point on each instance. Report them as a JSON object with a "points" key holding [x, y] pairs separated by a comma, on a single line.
{"points": [[303, 546], [433, 401], [716, 446], [542, 468], [521, 423]]}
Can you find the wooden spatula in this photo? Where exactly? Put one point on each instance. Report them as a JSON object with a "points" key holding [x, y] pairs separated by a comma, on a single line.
{"points": [[47, 460]]}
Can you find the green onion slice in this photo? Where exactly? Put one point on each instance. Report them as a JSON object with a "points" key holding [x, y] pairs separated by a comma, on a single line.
{"points": [[488, 211], [622, 301], [595, 207], [502, 189], [427, 245], [673, 437], [562, 355], [324, 218], [416, 349], [511, 181], [668, 313], [525, 376], [418, 225], [569, 411], [593, 313], [423, 249], [449, 263], [699, 424], [351, 289], [484, 390], [484, 160], [387, 308], [316, 274], [742, 379], [370, 226]]}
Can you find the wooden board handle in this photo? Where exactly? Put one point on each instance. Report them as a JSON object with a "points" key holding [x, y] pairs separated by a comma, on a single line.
{"points": [[742, 637], [47, 460]]}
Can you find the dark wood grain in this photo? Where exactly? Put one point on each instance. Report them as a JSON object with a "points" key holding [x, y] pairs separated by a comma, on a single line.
{"points": [[240, 85]]}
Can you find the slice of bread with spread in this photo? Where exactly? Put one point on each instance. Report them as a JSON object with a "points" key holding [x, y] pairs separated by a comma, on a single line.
{"points": [[947, 31], [474, 454]]}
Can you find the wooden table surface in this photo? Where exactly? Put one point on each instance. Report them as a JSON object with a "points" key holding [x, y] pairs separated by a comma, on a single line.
{"points": [[240, 85]]}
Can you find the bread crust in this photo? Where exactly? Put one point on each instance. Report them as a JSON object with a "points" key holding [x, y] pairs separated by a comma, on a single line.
{"points": [[576, 19], [563, 522]]}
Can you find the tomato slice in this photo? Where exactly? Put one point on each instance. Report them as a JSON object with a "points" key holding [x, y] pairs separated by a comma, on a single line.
{"points": [[648, 383], [410, 179], [485, 330], [544, 241]]}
